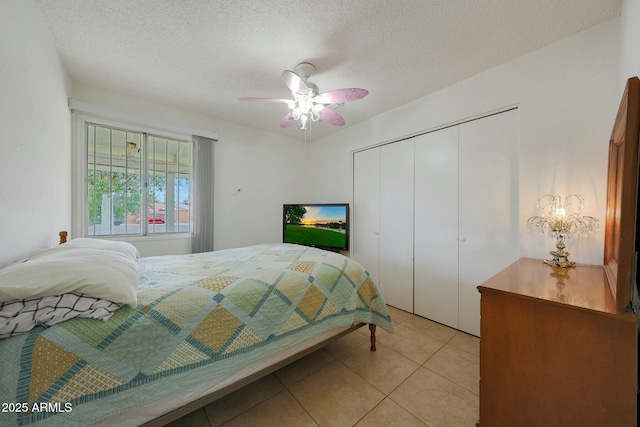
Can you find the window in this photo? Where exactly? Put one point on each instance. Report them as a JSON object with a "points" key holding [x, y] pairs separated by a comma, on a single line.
{"points": [[137, 183]]}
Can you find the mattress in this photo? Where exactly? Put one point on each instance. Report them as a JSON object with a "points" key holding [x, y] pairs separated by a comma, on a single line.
{"points": [[202, 322]]}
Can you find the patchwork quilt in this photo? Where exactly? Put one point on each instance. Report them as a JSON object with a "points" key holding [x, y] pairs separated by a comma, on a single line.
{"points": [[199, 317]]}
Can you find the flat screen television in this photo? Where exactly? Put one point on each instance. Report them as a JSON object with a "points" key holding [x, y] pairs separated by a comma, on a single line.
{"points": [[324, 226]]}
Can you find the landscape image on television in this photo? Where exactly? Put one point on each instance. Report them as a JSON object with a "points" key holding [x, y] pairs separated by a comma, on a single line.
{"points": [[323, 226]]}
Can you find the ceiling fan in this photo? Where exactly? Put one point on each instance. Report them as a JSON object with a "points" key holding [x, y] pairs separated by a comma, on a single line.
{"points": [[307, 104]]}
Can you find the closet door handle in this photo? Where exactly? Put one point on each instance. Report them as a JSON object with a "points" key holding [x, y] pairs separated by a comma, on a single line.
{"points": [[376, 233], [462, 239]]}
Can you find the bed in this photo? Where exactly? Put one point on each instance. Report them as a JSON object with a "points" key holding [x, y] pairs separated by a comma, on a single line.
{"points": [[200, 327]]}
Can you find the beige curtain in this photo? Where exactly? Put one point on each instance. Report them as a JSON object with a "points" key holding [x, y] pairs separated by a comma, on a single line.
{"points": [[202, 240]]}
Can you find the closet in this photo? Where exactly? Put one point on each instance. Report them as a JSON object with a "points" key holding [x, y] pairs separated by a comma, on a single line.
{"points": [[383, 219], [435, 215]]}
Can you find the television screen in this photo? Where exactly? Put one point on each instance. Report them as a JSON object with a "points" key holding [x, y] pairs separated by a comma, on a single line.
{"points": [[324, 226]]}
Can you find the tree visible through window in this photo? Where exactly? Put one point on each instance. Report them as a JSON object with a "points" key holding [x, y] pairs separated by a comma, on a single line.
{"points": [[137, 183]]}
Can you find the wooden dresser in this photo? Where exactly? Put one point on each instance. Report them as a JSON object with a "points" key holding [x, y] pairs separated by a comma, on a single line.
{"points": [[554, 350]]}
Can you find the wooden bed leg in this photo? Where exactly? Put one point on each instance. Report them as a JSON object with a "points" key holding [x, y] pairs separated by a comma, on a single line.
{"points": [[372, 329]]}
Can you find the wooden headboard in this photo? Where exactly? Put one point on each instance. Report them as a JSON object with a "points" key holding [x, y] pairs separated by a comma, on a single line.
{"points": [[622, 197], [63, 237]]}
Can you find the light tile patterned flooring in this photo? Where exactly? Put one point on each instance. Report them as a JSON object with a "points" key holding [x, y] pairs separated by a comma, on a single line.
{"points": [[425, 374]]}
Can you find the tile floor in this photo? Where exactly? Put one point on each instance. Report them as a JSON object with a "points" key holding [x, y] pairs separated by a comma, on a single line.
{"points": [[425, 374]]}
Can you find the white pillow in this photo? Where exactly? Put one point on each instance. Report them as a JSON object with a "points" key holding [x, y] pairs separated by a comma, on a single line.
{"points": [[66, 269], [125, 248]]}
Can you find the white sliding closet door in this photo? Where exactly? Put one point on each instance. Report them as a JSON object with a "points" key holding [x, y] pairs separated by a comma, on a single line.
{"points": [[488, 207], [436, 226], [396, 224], [365, 227], [436, 215], [466, 218]]}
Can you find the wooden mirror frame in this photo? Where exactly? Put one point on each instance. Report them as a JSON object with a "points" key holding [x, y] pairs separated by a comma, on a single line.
{"points": [[622, 197]]}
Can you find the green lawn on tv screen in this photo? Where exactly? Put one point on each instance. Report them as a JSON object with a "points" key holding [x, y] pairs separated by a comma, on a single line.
{"points": [[314, 236]]}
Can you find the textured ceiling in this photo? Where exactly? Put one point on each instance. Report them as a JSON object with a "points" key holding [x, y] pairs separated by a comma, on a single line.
{"points": [[202, 55]]}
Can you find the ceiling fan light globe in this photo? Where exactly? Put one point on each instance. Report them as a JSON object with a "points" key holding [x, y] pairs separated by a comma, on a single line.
{"points": [[305, 104]]}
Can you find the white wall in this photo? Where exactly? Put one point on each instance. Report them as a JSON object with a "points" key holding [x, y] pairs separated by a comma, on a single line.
{"points": [[629, 41], [35, 173], [567, 94], [269, 169]]}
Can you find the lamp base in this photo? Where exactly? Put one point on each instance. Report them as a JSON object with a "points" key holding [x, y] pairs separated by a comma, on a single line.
{"points": [[560, 256], [559, 260]]}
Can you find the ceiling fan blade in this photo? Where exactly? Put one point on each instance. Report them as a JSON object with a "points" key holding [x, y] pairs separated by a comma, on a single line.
{"points": [[278, 100], [340, 96], [294, 82], [285, 123], [332, 117]]}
